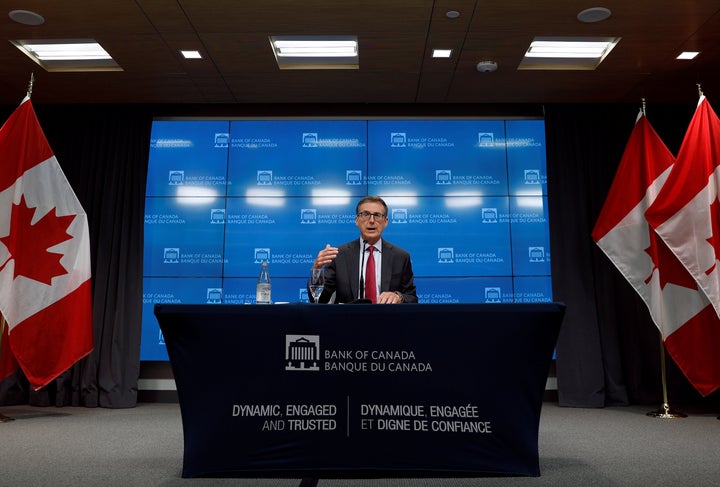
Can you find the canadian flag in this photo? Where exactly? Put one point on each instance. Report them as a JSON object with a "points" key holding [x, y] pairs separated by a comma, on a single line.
{"points": [[45, 292], [667, 288], [686, 213]]}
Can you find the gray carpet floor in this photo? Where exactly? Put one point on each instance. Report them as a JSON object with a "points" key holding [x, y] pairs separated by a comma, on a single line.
{"points": [[143, 446]]}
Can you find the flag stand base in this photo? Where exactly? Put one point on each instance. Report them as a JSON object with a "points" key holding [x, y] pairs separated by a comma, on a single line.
{"points": [[666, 413], [5, 419]]}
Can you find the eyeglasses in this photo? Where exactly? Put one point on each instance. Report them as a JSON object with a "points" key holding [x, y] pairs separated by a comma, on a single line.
{"points": [[365, 215]]}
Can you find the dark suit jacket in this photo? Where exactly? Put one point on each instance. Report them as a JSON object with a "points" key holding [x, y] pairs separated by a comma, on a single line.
{"points": [[342, 276]]}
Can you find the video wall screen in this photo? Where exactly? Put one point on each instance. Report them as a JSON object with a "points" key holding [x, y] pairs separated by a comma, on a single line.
{"points": [[467, 198]]}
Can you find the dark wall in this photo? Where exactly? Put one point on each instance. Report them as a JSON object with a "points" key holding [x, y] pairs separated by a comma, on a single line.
{"points": [[608, 352]]}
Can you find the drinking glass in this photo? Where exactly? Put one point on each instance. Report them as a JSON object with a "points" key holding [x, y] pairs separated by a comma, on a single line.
{"points": [[317, 283]]}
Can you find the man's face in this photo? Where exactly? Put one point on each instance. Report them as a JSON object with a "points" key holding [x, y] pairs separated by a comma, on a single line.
{"points": [[373, 227]]}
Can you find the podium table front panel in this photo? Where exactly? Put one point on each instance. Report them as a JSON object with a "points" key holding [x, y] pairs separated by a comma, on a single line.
{"points": [[310, 389]]}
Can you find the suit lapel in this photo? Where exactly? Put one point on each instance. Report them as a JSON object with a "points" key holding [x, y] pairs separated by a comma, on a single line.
{"points": [[353, 267], [386, 269]]}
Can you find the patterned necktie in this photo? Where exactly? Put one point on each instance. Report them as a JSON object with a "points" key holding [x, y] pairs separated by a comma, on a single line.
{"points": [[370, 287]]}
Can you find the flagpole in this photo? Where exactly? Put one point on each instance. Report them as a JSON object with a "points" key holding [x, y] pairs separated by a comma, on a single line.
{"points": [[3, 418], [30, 84], [700, 94], [665, 412]]}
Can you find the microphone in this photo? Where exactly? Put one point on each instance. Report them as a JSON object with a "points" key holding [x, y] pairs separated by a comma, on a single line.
{"points": [[361, 292]]}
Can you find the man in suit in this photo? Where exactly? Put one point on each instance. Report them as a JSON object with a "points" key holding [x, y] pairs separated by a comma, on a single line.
{"points": [[390, 278]]}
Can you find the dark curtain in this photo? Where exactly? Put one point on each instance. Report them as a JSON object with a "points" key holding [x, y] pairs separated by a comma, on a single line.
{"points": [[103, 152], [608, 352]]}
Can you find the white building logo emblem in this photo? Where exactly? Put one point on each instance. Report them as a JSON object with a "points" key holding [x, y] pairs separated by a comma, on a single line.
{"points": [[536, 254], [262, 255], [308, 216], [217, 215], [171, 255], [400, 215], [398, 139], [489, 215], [446, 255], [176, 178], [214, 295], [303, 295], [532, 176], [310, 139], [443, 176], [493, 295], [302, 352], [353, 177], [264, 178], [486, 139], [222, 140]]}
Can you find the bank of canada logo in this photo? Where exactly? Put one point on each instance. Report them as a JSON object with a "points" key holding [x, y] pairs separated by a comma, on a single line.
{"points": [[302, 352], [536, 254], [161, 338], [443, 176], [262, 254], [303, 295], [214, 295], [310, 139], [398, 139], [308, 216], [176, 178], [489, 215], [217, 215], [264, 178], [532, 176], [399, 215], [446, 255], [222, 140], [353, 177], [171, 255], [493, 295], [486, 139]]}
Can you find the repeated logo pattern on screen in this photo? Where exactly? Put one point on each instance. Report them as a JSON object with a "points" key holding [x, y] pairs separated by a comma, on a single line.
{"points": [[468, 200]]}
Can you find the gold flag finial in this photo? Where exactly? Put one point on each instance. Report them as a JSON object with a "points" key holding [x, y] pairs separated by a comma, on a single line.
{"points": [[699, 86], [643, 106]]}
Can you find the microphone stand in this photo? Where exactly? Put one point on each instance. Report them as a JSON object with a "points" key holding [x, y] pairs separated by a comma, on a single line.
{"points": [[361, 291]]}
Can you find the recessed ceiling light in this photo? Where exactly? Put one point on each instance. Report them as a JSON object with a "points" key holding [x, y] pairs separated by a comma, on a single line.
{"points": [[68, 54], [452, 14], [26, 17], [567, 53], [310, 48], [687, 55], [191, 54], [566, 49], [315, 52], [442, 53]]}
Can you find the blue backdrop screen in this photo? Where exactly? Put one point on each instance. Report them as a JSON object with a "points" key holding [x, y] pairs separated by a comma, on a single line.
{"points": [[467, 198]]}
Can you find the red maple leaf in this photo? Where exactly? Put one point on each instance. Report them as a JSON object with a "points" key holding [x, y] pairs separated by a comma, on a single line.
{"points": [[28, 243], [669, 267], [714, 240]]}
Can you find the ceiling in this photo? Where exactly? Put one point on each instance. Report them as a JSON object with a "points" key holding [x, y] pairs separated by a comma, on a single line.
{"points": [[395, 41]]}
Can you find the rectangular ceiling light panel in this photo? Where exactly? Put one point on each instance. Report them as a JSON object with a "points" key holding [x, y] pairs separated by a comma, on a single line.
{"points": [[68, 54], [315, 52], [569, 53]]}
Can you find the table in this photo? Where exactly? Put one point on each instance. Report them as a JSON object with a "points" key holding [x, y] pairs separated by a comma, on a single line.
{"points": [[359, 389]]}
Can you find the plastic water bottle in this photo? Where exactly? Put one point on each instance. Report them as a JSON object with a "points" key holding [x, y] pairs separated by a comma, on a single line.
{"points": [[263, 292]]}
